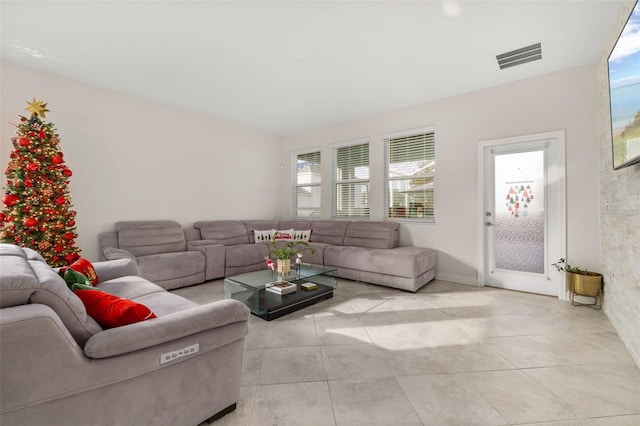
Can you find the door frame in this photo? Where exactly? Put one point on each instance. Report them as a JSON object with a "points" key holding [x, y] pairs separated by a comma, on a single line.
{"points": [[558, 178]]}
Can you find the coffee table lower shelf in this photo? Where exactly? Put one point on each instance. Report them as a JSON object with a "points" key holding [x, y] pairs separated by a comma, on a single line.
{"points": [[269, 306]]}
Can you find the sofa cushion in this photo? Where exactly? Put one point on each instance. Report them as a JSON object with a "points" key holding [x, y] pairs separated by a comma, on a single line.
{"points": [[142, 238], [225, 232], [328, 231], [18, 279], [372, 234], [407, 262], [130, 287], [33, 281], [246, 254], [167, 266], [113, 311]]}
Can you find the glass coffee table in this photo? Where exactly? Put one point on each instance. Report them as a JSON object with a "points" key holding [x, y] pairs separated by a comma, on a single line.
{"points": [[251, 289]]}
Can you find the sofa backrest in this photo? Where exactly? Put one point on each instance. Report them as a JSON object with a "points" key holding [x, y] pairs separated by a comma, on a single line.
{"points": [[259, 225], [225, 232], [372, 234], [142, 238], [298, 225], [328, 231], [25, 280]]}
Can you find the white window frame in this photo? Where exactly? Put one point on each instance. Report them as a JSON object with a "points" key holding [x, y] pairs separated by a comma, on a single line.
{"points": [[387, 138], [335, 182], [296, 185]]}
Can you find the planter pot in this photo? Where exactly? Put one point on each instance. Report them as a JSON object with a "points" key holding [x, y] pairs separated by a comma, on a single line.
{"points": [[283, 266], [587, 284]]}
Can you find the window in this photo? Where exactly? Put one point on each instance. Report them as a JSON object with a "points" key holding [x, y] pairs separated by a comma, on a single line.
{"points": [[306, 198], [410, 168], [351, 184]]}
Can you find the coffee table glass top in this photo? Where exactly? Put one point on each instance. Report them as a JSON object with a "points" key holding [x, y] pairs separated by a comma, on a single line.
{"points": [[250, 289]]}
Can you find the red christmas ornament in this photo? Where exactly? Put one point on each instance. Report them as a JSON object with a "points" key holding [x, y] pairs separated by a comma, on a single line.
{"points": [[67, 236], [1, 217], [30, 222], [23, 119], [67, 172], [32, 167], [60, 200], [10, 200], [55, 258], [42, 134], [71, 223], [28, 183], [57, 159], [57, 248], [23, 141]]}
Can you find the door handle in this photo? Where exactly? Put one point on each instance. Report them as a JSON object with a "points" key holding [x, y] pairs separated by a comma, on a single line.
{"points": [[488, 224]]}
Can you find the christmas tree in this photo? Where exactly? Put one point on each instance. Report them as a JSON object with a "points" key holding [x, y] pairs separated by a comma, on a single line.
{"points": [[37, 205]]}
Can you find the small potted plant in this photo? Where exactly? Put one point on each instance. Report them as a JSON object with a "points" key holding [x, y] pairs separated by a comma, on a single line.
{"points": [[580, 281], [284, 253]]}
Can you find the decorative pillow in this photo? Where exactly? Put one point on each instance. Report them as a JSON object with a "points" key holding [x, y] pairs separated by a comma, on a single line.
{"points": [[283, 234], [75, 279], [302, 235], [112, 311], [83, 266], [260, 236]]}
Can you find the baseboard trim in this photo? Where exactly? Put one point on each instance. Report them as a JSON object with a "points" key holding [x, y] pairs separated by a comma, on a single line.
{"points": [[460, 279]]}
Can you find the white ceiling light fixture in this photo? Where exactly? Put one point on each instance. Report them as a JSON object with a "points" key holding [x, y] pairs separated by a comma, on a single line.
{"points": [[520, 56]]}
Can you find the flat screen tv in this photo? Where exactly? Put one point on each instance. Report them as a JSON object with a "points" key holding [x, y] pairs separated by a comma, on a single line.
{"points": [[624, 93]]}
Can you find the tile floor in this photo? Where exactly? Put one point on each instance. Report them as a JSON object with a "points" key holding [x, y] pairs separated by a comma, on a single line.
{"points": [[450, 354]]}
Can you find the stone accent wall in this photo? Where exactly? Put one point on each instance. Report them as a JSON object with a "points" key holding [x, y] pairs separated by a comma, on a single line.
{"points": [[619, 218]]}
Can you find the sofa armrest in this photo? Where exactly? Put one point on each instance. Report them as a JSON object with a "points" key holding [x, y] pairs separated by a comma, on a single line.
{"points": [[112, 253], [106, 239], [111, 269], [145, 334], [215, 255]]}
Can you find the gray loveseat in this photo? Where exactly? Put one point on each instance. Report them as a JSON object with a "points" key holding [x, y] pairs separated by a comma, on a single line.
{"points": [[366, 251], [59, 366]]}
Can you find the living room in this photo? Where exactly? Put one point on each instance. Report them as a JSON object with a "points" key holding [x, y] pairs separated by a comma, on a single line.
{"points": [[138, 159]]}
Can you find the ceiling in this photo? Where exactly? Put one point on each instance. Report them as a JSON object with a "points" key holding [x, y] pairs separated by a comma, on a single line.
{"points": [[286, 67]]}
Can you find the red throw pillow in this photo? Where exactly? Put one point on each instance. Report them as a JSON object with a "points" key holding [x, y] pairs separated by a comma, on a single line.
{"points": [[113, 311], [83, 266]]}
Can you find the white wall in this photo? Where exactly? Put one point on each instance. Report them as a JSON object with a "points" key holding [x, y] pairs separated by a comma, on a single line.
{"points": [[620, 220], [133, 159], [561, 101]]}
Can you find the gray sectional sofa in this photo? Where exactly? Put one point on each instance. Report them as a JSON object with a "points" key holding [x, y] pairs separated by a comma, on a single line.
{"points": [[366, 251], [60, 367]]}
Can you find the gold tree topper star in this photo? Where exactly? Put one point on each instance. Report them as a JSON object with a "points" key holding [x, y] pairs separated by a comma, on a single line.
{"points": [[37, 107]]}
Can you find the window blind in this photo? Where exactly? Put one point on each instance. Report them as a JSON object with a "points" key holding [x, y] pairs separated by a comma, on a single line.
{"points": [[352, 181], [410, 171], [306, 202]]}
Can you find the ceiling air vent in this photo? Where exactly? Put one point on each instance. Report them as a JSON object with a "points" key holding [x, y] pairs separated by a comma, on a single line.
{"points": [[520, 56]]}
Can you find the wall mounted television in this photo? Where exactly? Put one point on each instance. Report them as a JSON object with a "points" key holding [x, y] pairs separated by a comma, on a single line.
{"points": [[624, 93]]}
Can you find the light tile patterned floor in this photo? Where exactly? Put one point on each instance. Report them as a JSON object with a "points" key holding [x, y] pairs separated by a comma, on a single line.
{"points": [[450, 354]]}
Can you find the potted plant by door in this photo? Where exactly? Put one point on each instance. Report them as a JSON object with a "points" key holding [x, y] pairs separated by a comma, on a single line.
{"points": [[581, 282]]}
